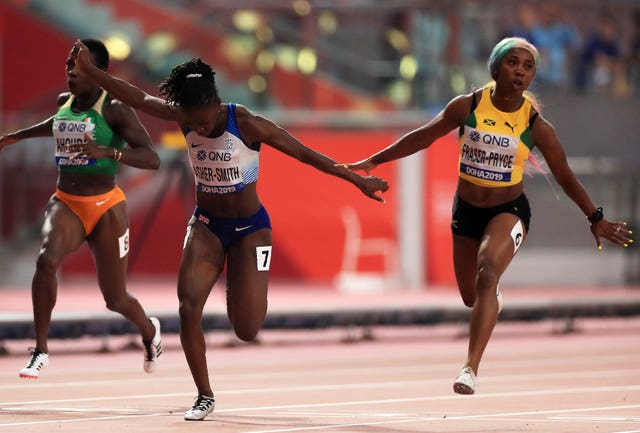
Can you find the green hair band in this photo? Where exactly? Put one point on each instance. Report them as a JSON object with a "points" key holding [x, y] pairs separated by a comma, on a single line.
{"points": [[504, 46]]}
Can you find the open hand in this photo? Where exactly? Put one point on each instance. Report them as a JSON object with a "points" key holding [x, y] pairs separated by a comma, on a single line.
{"points": [[81, 55], [617, 232], [90, 150], [370, 185]]}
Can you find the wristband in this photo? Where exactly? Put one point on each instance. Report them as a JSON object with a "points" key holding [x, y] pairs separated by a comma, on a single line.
{"points": [[596, 216]]}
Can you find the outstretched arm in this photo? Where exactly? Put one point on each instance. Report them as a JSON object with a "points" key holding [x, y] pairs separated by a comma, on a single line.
{"points": [[544, 136], [42, 129], [121, 89], [258, 129], [421, 138]]}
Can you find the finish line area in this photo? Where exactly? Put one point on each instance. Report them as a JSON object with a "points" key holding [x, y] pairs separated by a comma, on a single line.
{"points": [[532, 378]]}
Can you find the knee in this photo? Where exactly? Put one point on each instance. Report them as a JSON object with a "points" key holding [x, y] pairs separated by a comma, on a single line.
{"points": [[469, 301], [467, 292], [115, 303], [247, 322], [487, 278], [47, 263], [246, 332], [189, 308]]}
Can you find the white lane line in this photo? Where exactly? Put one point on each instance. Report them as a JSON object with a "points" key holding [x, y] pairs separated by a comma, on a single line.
{"points": [[89, 399], [597, 418], [338, 426], [437, 398], [385, 401], [539, 364], [44, 409], [550, 411], [464, 417], [99, 418], [377, 385], [593, 389]]}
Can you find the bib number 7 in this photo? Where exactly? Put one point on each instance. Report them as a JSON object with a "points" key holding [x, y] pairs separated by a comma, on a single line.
{"points": [[263, 255]]}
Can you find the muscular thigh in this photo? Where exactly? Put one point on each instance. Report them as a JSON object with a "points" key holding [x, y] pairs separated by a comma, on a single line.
{"points": [[248, 263], [201, 264], [62, 231], [109, 244], [503, 236], [465, 263]]}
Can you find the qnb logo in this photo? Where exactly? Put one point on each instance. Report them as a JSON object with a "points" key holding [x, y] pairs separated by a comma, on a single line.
{"points": [[77, 127], [494, 140], [219, 156], [201, 155], [72, 127], [474, 136]]}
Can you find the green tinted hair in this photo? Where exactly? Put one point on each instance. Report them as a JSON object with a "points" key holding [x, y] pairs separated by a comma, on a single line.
{"points": [[503, 48]]}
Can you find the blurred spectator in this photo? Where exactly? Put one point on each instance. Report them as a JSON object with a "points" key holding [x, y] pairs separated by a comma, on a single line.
{"points": [[634, 56], [526, 20], [601, 67], [430, 36], [557, 42]]}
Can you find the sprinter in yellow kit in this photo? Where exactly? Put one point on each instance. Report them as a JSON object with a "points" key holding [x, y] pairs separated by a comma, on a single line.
{"points": [[498, 125]]}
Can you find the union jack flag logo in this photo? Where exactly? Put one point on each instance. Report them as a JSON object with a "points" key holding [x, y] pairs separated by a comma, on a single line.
{"points": [[228, 143]]}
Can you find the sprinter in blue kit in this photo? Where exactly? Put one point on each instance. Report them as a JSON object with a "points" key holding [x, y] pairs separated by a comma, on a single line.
{"points": [[229, 224]]}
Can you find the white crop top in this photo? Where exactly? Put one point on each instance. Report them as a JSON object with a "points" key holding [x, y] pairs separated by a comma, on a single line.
{"points": [[224, 164]]}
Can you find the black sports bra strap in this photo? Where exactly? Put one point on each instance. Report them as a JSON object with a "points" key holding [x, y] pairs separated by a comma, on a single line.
{"points": [[474, 102], [474, 105]]}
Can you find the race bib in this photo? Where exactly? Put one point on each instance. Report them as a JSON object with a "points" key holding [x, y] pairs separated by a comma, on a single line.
{"points": [[488, 156], [69, 138]]}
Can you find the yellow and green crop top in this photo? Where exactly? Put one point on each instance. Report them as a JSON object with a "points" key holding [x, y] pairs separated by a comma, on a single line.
{"points": [[494, 145], [69, 128]]}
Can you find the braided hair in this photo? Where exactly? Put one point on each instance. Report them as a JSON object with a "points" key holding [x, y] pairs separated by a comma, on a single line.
{"points": [[191, 84]]}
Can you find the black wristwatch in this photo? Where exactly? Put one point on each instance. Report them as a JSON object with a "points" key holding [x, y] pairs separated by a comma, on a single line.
{"points": [[596, 216]]}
